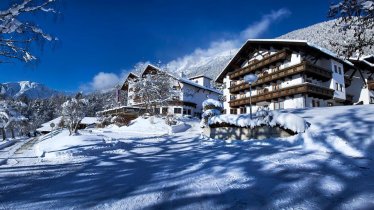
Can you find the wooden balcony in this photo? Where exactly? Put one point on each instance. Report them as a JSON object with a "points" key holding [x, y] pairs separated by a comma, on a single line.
{"points": [[304, 67], [306, 88], [371, 84], [267, 61]]}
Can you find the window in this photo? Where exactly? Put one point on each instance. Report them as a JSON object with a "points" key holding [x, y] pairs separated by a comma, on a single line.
{"points": [[341, 87], [336, 68], [336, 86], [189, 112], [177, 110], [233, 111], [278, 104], [315, 103], [276, 86], [175, 97], [184, 111], [243, 110], [340, 70]]}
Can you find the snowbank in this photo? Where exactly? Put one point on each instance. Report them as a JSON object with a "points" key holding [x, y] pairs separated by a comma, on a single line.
{"points": [[181, 127], [64, 146], [152, 125]]}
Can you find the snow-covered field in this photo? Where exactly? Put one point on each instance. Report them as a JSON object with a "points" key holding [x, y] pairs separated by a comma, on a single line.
{"points": [[144, 167]]}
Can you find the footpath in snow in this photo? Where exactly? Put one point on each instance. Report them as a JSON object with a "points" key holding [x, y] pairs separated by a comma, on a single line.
{"points": [[330, 166]]}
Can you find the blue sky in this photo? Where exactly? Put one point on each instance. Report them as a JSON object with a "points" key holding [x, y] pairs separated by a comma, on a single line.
{"points": [[102, 39]]}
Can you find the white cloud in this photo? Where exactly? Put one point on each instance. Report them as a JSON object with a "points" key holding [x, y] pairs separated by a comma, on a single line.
{"points": [[101, 81], [221, 47]]}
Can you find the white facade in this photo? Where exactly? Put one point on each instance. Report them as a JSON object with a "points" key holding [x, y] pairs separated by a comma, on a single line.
{"points": [[189, 98], [335, 84]]}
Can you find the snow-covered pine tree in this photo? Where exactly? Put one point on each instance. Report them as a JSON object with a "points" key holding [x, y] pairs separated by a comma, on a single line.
{"points": [[18, 33], [73, 111], [354, 17]]}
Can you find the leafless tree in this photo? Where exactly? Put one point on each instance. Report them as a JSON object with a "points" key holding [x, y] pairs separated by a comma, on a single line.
{"points": [[153, 89], [17, 34], [356, 22]]}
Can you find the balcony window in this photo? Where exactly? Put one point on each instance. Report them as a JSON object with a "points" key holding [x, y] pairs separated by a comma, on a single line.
{"points": [[341, 87], [177, 110], [233, 111], [340, 70], [278, 104], [335, 68], [243, 110], [336, 86]]}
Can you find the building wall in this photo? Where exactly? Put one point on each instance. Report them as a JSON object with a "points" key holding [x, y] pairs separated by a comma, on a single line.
{"points": [[359, 91], [197, 95], [338, 79], [298, 101], [202, 81]]}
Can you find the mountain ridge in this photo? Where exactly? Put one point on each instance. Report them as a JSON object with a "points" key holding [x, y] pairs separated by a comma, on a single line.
{"points": [[29, 89]]}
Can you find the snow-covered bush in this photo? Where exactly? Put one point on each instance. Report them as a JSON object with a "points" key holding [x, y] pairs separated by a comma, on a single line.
{"points": [[211, 108], [122, 119], [170, 120], [212, 104], [73, 111]]}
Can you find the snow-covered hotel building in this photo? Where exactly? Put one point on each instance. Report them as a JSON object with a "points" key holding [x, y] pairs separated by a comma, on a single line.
{"points": [[190, 93], [292, 74]]}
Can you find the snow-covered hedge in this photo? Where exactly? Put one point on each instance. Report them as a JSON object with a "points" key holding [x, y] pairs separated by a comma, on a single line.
{"points": [[270, 118], [212, 104]]}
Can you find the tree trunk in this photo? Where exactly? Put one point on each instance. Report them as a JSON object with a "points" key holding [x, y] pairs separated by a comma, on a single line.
{"points": [[3, 133], [12, 132]]}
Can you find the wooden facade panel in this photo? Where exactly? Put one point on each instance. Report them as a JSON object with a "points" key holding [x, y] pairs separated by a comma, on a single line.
{"points": [[371, 84], [279, 56], [304, 67], [306, 88]]}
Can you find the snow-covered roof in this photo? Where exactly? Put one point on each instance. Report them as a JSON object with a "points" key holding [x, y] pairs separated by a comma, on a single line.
{"points": [[89, 120], [284, 41], [200, 75], [47, 126], [183, 80], [119, 107], [55, 121]]}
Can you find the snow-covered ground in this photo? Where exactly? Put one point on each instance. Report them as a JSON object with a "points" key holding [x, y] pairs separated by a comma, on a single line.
{"points": [[330, 166]]}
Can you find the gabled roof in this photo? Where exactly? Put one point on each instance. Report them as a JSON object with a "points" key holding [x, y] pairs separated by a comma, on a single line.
{"points": [[180, 79], [365, 62], [252, 43], [198, 76], [129, 75]]}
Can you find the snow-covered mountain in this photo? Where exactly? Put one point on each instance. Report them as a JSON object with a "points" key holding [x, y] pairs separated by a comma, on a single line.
{"points": [[209, 66], [321, 34], [31, 90]]}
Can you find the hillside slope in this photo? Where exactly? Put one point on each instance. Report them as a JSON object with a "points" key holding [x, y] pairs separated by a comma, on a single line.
{"points": [[322, 34]]}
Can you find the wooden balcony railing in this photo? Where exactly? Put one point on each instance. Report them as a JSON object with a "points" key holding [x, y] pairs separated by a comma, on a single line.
{"points": [[304, 67], [271, 59], [371, 84], [306, 88]]}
